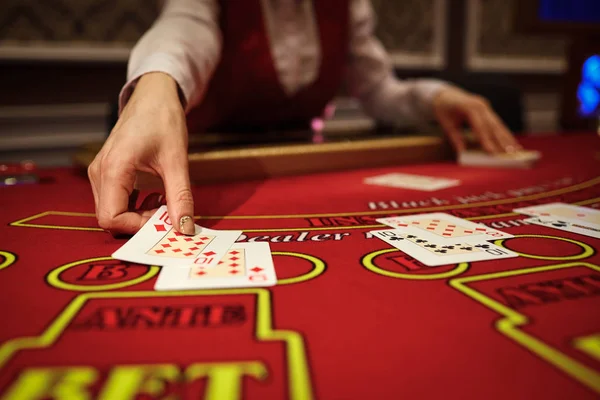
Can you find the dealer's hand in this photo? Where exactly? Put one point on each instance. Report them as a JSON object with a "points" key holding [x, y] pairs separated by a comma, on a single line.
{"points": [[453, 106], [150, 136]]}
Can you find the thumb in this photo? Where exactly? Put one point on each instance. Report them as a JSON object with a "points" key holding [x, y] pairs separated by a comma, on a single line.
{"points": [[452, 131], [180, 202]]}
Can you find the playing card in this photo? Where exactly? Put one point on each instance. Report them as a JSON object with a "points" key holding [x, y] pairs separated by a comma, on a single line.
{"points": [[158, 243], [565, 212], [244, 265], [480, 158], [444, 226], [439, 252], [566, 226], [409, 181]]}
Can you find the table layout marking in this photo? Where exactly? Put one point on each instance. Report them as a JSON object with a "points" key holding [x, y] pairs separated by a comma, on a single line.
{"points": [[24, 222], [319, 267], [9, 259], [54, 280], [299, 380], [537, 196], [367, 262], [588, 251], [589, 345], [512, 320], [53, 277]]}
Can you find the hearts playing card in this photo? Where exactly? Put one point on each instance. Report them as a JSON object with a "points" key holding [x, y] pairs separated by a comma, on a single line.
{"points": [[567, 226], [566, 212], [441, 252], [244, 265], [444, 226], [409, 181], [158, 243]]}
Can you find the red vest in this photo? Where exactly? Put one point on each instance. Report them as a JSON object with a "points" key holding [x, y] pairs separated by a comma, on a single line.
{"points": [[245, 92]]}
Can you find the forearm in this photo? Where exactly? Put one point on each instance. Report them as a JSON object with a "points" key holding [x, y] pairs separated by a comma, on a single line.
{"points": [[398, 102], [184, 43], [371, 76]]}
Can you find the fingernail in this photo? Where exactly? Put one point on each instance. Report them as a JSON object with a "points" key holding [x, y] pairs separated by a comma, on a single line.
{"points": [[161, 201], [186, 225]]}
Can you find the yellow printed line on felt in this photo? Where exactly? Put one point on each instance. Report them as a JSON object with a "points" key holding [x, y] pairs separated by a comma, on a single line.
{"points": [[9, 259], [512, 320], [586, 202], [367, 262], [537, 196], [299, 382], [589, 345], [23, 222], [512, 214]]}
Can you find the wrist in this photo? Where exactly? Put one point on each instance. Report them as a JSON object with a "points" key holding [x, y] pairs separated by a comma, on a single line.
{"points": [[158, 86]]}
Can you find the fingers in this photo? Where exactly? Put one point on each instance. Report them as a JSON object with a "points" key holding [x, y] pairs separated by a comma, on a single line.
{"points": [[180, 203], [493, 135], [152, 202], [113, 213], [483, 129], [503, 136], [93, 177], [453, 132], [129, 223], [452, 106]]}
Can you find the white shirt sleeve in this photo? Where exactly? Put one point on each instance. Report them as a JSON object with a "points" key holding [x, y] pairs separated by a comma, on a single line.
{"points": [[184, 42], [371, 77]]}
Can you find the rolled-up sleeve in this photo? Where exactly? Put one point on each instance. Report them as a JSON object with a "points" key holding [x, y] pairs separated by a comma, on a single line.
{"points": [[371, 77], [185, 43]]}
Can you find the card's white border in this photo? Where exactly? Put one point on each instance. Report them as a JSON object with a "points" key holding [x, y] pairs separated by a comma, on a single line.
{"points": [[439, 186], [123, 253], [450, 217], [138, 245], [421, 254], [177, 278], [525, 211], [573, 229], [385, 180]]}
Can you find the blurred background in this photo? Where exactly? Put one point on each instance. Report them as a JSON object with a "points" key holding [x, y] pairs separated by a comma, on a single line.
{"points": [[63, 62]]}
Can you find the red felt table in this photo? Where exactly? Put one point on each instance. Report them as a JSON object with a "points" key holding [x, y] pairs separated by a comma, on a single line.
{"points": [[351, 318]]}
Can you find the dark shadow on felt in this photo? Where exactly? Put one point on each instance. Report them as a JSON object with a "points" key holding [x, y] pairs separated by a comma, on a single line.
{"points": [[218, 198]]}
